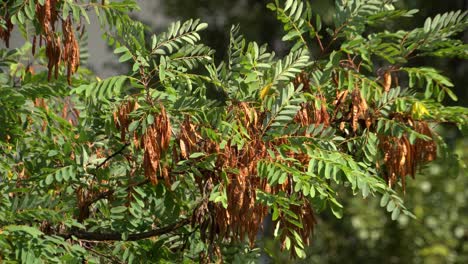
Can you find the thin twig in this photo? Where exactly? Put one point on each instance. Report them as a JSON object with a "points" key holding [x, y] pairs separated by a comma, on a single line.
{"points": [[94, 236], [112, 258], [113, 155]]}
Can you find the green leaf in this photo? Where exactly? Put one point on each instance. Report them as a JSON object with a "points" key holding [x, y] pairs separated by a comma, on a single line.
{"points": [[133, 126], [196, 155], [451, 94], [201, 26], [49, 179], [391, 206], [121, 49], [384, 200], [118, 209], [336, 210], [127, 56], [22, 228], [395, 213]]}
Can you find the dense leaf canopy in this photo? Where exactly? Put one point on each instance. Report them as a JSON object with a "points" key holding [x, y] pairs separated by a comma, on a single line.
{"points": [[185, 157]]}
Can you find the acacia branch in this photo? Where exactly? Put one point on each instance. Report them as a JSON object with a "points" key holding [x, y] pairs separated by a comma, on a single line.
{"points": [[94, 236], [113, 155]]}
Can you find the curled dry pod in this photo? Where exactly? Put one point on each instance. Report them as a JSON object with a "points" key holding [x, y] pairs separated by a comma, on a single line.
{"points": [[426, 150], [359, 108], [156, 142], [53, 53], [121, 117], [5, 32], [71, 50], [387, 81], [310, 113], [43, 14], [401, 158], [244, 215], [188, 138]]}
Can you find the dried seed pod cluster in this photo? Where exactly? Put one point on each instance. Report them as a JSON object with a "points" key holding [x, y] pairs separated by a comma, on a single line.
{"points": [[122, 119], [354, 108], [400, 157], [243, 216], [359, 109], [53, 53], [154, 141], [71, 50], [47, 15], [64, 48], [311, 114]]}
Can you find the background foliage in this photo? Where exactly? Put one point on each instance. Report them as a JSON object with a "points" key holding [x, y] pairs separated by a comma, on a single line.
{"points": [[91, 168]]}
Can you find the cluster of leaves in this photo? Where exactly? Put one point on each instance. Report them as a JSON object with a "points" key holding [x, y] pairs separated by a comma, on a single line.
{"points": [[185, 157]]}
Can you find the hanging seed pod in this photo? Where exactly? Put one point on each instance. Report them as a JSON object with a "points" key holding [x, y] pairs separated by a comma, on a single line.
{"points": [[387, 81], [152, 154], [54, 14], [188, 138], [71, 51], [400, 157], [53, 53], [426, 150], [302, 78], [43, 14], [155, 143], [70, 113], [310, 113], [359, 108], [122, 120], [5, 32], [305, 216]]}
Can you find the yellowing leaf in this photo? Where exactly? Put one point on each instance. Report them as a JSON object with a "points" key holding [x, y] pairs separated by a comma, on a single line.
{"points": [[419, 110], [265, 90]]}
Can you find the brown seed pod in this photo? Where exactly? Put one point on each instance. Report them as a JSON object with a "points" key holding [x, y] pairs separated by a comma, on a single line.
{"points": [[43, 13], [188, 138], [53, 53], [387, 81], [302, 78], [401, 158], [311, 114], [71, 50], [34, 45], [359, 108], [155, 143], [122, 120], [6, 32], [237, 174]]}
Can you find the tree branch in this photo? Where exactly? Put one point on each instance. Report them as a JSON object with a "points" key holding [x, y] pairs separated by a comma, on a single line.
{"points": [[113, 155], [92, 236]]}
